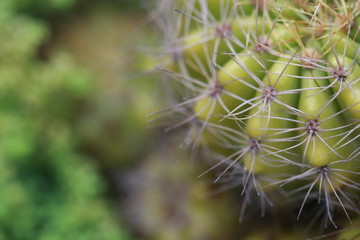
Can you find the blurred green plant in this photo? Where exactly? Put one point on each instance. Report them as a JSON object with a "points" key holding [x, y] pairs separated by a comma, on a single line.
{"points": [[167, 203], [43, 8], [48, 191], [113, 127]]}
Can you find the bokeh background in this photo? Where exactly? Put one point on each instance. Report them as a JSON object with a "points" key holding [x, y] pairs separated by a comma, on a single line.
{"points": [[79, 159]]}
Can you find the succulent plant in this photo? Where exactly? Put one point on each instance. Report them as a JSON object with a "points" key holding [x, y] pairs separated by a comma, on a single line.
{"points": [[273, 87]]}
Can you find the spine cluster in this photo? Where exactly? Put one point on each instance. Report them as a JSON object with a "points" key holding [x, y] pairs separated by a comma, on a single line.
{"points": [[271, 90]]}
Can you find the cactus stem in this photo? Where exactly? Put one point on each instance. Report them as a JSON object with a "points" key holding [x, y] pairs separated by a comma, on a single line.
{"points": [[287, 74], [346, 135]]}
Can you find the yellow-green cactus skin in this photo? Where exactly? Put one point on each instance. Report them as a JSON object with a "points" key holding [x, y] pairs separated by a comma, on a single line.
{"points": [[277, 86]]}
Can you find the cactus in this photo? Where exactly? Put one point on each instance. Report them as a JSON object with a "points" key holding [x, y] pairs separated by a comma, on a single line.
{"points": [[273, 86]]}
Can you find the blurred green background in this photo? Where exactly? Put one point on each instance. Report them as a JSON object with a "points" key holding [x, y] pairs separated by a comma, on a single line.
{"points": [[72, 116]]}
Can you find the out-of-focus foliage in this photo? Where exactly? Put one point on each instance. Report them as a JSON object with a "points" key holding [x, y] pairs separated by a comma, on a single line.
{"points": [[168, 203], [43, 7], [48, 191], [121, 126], [113, 126]]}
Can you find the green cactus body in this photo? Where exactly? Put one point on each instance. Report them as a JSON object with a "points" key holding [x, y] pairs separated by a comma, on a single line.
{"points": [[316, 106], [342, 44], [260, 123], [285, 86], [349, 95], [232, 80], [354, 33]]}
